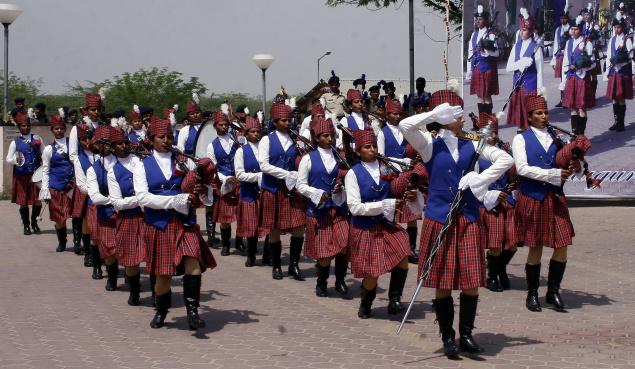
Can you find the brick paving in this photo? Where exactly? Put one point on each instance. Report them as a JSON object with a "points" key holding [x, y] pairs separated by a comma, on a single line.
{"points": [[52, 315]]}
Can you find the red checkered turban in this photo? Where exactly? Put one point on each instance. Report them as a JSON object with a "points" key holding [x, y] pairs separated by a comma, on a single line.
{"points": [[21, 117], [159, 127], [219, 116], [82, 130], [534, 102], [134, 115], [192, 107], [101, 132], [56, 121], [251, 123], [279, 111], [581, 144], [353, 94], [445, 96], [92, 101], [317, 109], [484, 118], [393, 106], [166, 112], [117, 134], [321, 125], [527, 23], [364, 137]]}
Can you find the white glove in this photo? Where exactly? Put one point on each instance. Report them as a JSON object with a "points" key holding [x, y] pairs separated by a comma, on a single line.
{"points": [[291, 180], [524, 62], [445, 113], [465, 180]]}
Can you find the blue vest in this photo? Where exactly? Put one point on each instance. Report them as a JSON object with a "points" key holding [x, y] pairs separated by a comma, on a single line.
{"points": [[538, 157], [224, 161], [500, 183], [369, 192], [158, 185], [445, 175], [279, 158], [85, 163], [352, 124], [190, 143], [134, 137], [479, 61], [321, 179], [249, 190], [573, 55], [530, 80], [626, 69], [124, 179], [393, 148], [32, 157], [104, 212], [61, 171]]}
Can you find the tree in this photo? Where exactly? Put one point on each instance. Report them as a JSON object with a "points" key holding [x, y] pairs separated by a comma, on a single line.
{"points": [[20, 86]]}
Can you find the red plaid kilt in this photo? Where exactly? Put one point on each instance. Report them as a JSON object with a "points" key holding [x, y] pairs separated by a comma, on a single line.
{"points": [[247, 224], [80, 202], [578, 93], [326, 236], [545, 223], [403, 214], [377, 250], [224, 207], [485, 84], [558, 68], [517, 115], [59, 207], [165, 248], [620, 87], [24, 191], [91, 222], [460, 262], [129, 240], [279, 211], [498, 230], [107, 237]]}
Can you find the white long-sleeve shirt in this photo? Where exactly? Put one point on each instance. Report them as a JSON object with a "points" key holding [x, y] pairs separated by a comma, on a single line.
{"points": [[93, 186], [520, 158], [566, 63], [11, 153], [620, 41], [239, 165], [73, 142], [359, 120], [381, 142], [486, 53], [385, 207], [556, 42], [514, 65], [312, 193], [263, 156], [80, 175], [184, 134], [114, 190], [47, 153], [226, 143]]}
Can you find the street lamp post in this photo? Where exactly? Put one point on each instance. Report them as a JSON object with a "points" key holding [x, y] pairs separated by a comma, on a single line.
{"points": [[263, 61], [318, 64], [8, 14]]}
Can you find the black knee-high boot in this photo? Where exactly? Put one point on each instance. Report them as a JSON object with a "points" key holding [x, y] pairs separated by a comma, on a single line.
{"points": [[582, 124], [556, 272], [532, 273], [412, 238], [505, 257], [480, 107], [162, 304], [322, 280], [134, 284], [61, 239], [295, 250], [341, 266], [266, 252], [153, 282], [191, 299], [210, 228], [225, 237], [252, 249], [616, 117], [94, 254], [395, 290], [112, 271], [77, 235], [35, 213], [24, 215], [487, 108], [574, 124], [493, 263], [276, 251], [88, 261], [467, 315], [619, 128], [366, 302], [239, 244], [444, 310]]}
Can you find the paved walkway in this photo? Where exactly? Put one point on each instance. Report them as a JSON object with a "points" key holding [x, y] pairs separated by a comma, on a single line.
{"points": [[52, 315]]}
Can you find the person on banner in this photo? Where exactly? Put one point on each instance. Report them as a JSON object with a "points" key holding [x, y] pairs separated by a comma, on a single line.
{"points": [[560, 38], [525, 61], [25, 154], [542, 214], [459, 263], [577, 66], [57, 179], [619, 72], [482, 72]]}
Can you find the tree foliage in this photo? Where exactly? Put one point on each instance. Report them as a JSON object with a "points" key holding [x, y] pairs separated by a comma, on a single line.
{"points": [[20, 86]]}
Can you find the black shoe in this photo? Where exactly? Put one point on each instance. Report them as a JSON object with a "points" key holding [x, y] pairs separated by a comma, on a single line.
{"points": [[163, 303], [295, 250], [532, 273], [505, 257], [467, 315], [366, 302], [94, 254], [266, 252], [322, 280], [239, 243], [252, 249], [276, 262], [395, 290], [61, 239], [134, 284], [341, 266], [88, 260], [191, 299], [112, 271], [35, 213], [556, 272], [77, 235], [225, 237], [444, 310], [24, 215], [493, 263], [412, 237]]}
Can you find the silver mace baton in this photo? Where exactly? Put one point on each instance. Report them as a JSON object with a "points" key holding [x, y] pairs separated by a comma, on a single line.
{"points": [[427, 266]]}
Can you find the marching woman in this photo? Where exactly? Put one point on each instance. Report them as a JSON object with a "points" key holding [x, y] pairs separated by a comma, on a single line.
{"points": [[319, 180], [249, 174], [25, 154], [57, 179], [482, 71], [390, 142], [193, 120], [172, 239], [542, 214], [354, 121], [560, 37], [459, 262], [619, 73], [282, 208], [525, 57], [137, 134], [93, 108], [376, 244], [578, 65], [129, 250], [103, 223], [221, 151]]}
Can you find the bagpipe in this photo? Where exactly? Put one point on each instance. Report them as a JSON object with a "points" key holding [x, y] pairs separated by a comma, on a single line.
{"points": [[572, 148], [204, 172]]}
